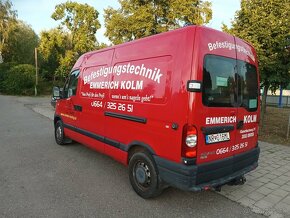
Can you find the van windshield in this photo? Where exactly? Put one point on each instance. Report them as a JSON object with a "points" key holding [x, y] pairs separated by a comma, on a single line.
{"points": [[229, 82]]}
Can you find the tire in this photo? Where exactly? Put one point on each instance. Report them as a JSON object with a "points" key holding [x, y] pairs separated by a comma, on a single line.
{"points": [[143, 175], [59, 134]]}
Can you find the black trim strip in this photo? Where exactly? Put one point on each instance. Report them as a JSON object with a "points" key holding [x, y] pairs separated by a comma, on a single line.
{"points": [[217, 129], [84, 132], [97, 137], [126, 117]]}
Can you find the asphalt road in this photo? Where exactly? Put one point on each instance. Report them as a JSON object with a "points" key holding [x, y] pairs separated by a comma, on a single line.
{"points": [[39, 178]]}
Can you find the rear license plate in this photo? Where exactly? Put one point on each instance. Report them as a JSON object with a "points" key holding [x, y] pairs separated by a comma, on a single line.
{"points": [[219, 137]]}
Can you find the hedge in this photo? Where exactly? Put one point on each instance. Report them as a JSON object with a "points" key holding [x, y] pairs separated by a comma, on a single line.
{"points": [[18, 80]]}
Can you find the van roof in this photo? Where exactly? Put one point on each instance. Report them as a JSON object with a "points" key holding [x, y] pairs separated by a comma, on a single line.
{"points": [[186, 28]]}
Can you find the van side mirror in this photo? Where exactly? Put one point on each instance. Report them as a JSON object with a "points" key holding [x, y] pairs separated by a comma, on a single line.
{"points": [[56, 92]]}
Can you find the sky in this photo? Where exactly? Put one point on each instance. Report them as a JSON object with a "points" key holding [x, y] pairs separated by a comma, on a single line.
{"points": [[37, 13]]}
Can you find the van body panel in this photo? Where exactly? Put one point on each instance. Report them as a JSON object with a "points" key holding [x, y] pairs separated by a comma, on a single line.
{"points": [[152, 97]]}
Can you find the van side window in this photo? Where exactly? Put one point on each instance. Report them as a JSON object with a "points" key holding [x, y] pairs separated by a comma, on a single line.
{"points": [[70, 87], [218, 81]]}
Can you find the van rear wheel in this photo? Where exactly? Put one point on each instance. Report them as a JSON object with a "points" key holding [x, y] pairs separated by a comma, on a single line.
{"points": [[143, 175], [59, 134]]}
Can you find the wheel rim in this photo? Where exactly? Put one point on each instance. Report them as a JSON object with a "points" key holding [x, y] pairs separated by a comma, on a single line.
{"points": [[142, 175], [58, 133]]}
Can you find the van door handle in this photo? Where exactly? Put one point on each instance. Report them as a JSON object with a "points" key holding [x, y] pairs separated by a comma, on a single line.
{"points": [[240, 124], [217, 129], [78, 107]]}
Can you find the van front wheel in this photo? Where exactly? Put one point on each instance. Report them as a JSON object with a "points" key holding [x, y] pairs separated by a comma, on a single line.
{"points": [[59, 134], [143, 175]]}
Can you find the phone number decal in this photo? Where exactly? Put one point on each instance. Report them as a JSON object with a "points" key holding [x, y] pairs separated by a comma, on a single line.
{"points": [[228, 149], [113, 106]]}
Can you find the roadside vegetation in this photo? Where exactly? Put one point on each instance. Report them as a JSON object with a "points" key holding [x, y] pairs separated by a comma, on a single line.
{"points": [[275, 126]]}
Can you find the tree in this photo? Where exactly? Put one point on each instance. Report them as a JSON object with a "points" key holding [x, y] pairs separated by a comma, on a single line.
{"points": [[265, 24], [81, 20], [53, 45], [17, 39], [139, 18], [21, 44], [66, 63], [7, 23]]}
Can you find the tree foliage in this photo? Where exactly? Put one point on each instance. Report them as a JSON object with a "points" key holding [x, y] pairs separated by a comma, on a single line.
{"points": [[138, 18], [53, 45], [22, 42], [17, 43], [75, 36], [81, 20], [7, 22], [66, 63], [265, 24]]}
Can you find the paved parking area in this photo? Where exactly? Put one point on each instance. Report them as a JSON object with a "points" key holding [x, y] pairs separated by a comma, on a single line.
{"points": [[267, 190]]}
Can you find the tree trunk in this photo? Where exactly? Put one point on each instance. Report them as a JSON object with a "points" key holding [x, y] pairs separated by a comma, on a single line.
{"points": [[263, 109]]}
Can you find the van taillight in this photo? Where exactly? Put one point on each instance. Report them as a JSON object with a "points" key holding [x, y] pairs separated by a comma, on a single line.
{"points": [[189, 141]]}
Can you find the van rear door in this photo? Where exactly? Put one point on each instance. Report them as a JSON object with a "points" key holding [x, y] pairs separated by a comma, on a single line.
{"points": [[214, 111], [226, 111], [219, 112], [248, 98]]}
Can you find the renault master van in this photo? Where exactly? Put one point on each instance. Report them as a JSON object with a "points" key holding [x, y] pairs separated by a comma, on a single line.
{"points": [[179, 109]]}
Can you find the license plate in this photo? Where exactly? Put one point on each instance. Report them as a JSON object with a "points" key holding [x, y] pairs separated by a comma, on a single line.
{"points": [[219, 137]]}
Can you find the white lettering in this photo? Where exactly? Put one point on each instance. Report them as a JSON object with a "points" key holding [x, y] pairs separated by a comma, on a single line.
{"points": [[230, 46], [104, 85], [132, 68], [210, 46], [222, 150], [138, 70], [157, 76], [250, 118], [134, 85], [220, 120]]}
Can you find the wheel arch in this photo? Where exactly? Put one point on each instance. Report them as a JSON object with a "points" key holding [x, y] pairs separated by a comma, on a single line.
{"points": [[135, 146], [56, 118]]}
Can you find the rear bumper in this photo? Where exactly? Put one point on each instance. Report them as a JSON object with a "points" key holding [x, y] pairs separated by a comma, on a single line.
{"points": [[207, 175]]}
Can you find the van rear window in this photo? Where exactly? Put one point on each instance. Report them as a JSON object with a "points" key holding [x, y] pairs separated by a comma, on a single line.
{"points": [[229, 82], [218, 81], [248, 86]]}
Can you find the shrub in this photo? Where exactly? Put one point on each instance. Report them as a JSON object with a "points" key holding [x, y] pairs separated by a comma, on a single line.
{"points": [[4, 69], [20, 80]]}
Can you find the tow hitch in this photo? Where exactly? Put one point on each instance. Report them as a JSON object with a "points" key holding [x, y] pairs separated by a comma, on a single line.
{"points": [[218, 188], [237, 181]]}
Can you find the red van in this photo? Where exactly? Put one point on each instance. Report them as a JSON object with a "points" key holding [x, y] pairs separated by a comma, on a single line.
{"points": [[179, 108]]}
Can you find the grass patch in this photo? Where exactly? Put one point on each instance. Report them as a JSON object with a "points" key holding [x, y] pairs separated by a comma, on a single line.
{"points": [[275, 126]]}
